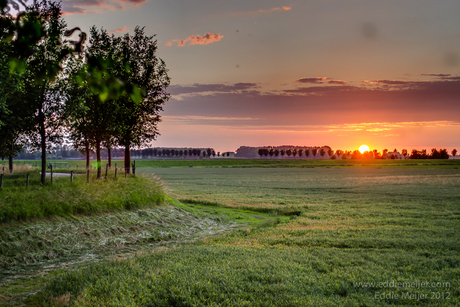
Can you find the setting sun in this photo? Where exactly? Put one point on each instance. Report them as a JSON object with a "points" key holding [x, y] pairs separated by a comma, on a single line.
{"points": [[363, 148]]}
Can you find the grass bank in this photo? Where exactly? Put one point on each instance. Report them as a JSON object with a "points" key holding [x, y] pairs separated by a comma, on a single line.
{"points": [[18, 203]]}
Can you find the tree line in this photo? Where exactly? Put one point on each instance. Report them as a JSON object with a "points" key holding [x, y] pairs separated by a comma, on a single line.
{"points": [[108, 94], [356, 154]]}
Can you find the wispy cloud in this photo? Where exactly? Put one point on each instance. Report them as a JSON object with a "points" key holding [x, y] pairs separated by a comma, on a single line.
{"points": [[213, 88], [311, 80], [95, 6], [282, 8], [133, 2], [120, 30], [434, 75], [336, 82], [322, 103], [208, 38], [275, 9]]}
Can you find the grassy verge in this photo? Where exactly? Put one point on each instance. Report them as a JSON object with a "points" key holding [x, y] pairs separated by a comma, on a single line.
{"points": [[18, 203]]}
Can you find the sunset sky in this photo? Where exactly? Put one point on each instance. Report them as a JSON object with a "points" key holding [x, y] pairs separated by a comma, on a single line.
{"points": [[341, 73]]}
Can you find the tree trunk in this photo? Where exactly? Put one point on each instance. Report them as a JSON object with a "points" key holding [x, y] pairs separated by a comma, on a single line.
{"points": [[127, 159], [10, 158], [98, 158], [10, 163], [87, 154], [109, 156], [43, 146]]}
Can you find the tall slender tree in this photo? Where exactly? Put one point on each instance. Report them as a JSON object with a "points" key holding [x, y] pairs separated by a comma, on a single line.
{"points": [[138, 64], [43, 97]]}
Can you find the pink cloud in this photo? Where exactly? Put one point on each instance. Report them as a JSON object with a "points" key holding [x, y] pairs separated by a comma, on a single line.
{"points": [[134, 2], [208, 38], [283, 8], [121, 30], [95, 6]]}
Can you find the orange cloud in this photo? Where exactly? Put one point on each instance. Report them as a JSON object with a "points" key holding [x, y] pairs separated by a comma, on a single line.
{"points": [[208, 38], [121, 30], [283, 8]]}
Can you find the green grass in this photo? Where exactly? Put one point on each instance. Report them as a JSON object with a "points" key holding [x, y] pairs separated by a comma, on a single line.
{"points": [[353, 228], [264, 162], [62, 198], [219, 275]]}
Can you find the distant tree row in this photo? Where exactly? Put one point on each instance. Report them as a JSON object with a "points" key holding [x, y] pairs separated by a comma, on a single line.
{"points": [[166, 152], [264, 152], [356, 154]]}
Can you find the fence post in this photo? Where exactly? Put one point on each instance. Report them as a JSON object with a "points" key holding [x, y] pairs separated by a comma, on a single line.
{"points": [[71, 176], [115, 173], [51, 167], [87, 175], [27, 179], [134, 168]]}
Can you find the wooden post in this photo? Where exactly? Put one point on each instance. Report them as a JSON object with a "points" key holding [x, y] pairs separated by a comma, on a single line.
{"points": [[115, 173], [51, 167], [71, 176], [87, 175], [27, 179], [106, 170], [134, 168]]}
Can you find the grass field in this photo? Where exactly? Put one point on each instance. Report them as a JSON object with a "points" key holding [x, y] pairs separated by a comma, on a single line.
{"points": [[385, 235], [265, 163]]}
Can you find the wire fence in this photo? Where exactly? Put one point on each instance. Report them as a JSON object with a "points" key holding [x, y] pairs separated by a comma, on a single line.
{"points": [[24, 175]]}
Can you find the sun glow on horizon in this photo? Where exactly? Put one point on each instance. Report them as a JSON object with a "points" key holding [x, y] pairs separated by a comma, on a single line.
{"points": [[363, 148]]}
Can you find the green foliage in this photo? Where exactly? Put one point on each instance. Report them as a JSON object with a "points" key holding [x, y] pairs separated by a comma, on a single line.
{"points": [[63, 198]]}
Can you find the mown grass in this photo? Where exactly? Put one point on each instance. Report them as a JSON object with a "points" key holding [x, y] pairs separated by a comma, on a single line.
{"points": [[357, 228], [62, 198]]}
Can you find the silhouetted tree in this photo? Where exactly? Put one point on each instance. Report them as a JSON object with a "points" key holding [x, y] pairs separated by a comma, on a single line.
{"points": [[277, 152], [384, 153], [435, 154], [454, 152], [314, 151], [322, 152], [356, 154], [260, 151]]}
